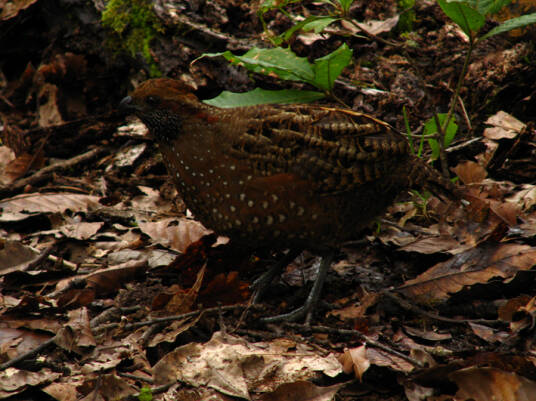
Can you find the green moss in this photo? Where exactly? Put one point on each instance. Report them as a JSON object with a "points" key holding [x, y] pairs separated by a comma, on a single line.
{"points": [[134, 25], [407, 16]]}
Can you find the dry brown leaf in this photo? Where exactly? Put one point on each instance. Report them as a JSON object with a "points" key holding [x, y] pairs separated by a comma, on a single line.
{"points": [[476, 265], [82, 230], [235, 367], [470, 172], [506, 312], [106, 281], [505, 126], [427, 335], [173, 330], [379, 357], [355, 360], [76, 297], [431, 245], [491, 148], [357, 311], [15, 256], [526, 316], [99, 283], [11, 8], [14, 342], [13, 381], [524, 198], [225, 288], [182, 300], [508, 212], [376, 26], [174, 233], [485, 384], [62, 391], [23, 206], [488, 334], [302, 391], [30, 323], [76, 335], [127, 157], [8, 174], [110, 387], [49, 109], [414, 392]]}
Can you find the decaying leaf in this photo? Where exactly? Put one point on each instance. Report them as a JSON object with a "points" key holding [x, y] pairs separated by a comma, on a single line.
{"points": [[237, 368], [476, 265]]}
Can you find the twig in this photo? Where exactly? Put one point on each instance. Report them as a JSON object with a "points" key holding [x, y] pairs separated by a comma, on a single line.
{"points": [[28, 354], [367, 340], [112, 313], [134, 377], [47, 171], [411, 307], [46, 254], [464, 113], [168, 319]]}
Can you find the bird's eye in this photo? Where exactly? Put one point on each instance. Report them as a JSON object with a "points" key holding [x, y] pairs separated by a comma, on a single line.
{"points": [[152, 100]]}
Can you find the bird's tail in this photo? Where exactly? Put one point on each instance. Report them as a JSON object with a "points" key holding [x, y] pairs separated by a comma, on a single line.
{"points": [[423, 176]]}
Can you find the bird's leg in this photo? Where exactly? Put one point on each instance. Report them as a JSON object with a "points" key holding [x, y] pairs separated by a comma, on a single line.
{"points": [[307, 309], [263, 282]]}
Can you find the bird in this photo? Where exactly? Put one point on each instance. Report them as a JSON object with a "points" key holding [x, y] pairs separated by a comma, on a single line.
{"points": [[296, 177]]}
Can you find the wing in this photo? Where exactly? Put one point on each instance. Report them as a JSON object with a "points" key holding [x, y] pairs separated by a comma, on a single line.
{"points": [[333, 150]]}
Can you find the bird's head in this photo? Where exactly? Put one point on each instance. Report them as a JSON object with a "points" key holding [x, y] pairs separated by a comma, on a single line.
{"points": [[162, 104]]}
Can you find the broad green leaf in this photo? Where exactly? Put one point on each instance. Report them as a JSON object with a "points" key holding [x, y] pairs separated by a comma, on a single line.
{"points": [[450, 133], [510, 24], [484, 7], [263, 96], [469, 19], [434, 145], [328, 68], [345, 5], [278, 61], [430, 128], [318, 24]]}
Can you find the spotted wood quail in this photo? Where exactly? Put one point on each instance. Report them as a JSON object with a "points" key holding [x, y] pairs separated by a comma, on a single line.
{"points": [[285, 177]]}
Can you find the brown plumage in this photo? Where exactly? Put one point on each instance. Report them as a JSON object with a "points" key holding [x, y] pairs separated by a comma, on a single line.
{"points": [[295, 176]]}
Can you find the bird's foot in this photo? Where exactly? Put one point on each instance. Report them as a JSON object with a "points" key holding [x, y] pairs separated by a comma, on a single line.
{"points": [[263, 282], [307, 309]]}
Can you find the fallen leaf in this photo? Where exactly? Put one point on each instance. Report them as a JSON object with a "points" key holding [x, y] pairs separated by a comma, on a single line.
{"points": [[476, 265], [485, 384]]}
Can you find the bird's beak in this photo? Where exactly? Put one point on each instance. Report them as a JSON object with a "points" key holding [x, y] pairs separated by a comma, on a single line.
{"points": [[127, 105]]}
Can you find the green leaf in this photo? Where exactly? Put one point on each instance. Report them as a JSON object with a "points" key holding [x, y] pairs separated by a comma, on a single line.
{"points": [[450, 133], [430, 128], [278, 61], [469, 19], [484, 7], [263, 96], [328, 68], [318, 24], [345, 5], [434, 145], [510, 24], [146, 394]]}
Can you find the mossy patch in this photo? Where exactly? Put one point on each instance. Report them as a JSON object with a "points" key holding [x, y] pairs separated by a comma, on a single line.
{"points": [[134, 25]]}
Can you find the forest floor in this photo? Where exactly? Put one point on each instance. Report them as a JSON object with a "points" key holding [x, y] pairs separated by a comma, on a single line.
{"points": [[110, 289]]}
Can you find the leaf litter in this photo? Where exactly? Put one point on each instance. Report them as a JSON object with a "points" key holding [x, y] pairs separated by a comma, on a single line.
{"points": [[110, 287]]}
